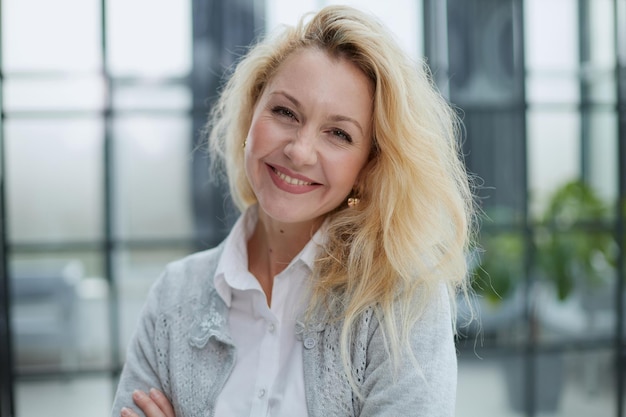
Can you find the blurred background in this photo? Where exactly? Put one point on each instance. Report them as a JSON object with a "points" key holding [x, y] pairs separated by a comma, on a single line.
{"points": [[104, 181]]}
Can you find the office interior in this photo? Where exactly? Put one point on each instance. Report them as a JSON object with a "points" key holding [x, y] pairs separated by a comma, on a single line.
{"points": [[104, 179]]}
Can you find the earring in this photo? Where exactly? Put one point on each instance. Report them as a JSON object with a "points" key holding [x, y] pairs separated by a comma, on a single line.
{"points": [[353, 201], [245, 142]]}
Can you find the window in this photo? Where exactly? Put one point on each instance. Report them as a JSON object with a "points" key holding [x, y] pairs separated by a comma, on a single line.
{"points": [[104, 182]]}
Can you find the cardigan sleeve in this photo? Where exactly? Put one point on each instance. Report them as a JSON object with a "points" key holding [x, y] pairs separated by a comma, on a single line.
{"points": [[140, 371], [425, 386]]}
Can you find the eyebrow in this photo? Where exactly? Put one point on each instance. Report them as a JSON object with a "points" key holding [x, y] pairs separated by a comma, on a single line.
{"points": [[334, 118]]}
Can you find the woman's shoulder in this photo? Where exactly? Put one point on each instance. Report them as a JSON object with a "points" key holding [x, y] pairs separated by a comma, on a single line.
{"points": [[187, 278]]}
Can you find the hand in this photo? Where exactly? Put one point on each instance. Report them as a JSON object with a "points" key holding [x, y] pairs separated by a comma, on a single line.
{"points": [[154, 404]]}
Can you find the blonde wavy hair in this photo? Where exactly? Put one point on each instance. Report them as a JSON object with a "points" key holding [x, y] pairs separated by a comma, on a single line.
{"points": [[410, 232]]}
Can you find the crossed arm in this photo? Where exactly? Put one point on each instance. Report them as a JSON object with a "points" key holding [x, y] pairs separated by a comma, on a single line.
{"points": [[153, 404]]}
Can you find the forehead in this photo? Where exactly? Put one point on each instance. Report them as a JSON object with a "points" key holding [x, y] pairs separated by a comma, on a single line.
{"points": [[314, 73], [306, 56]]}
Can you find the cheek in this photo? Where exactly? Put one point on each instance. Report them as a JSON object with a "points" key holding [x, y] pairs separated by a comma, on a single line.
{"points": [[262, 135], [348, 172], [360, 173], [353, 164], [259, 144]]}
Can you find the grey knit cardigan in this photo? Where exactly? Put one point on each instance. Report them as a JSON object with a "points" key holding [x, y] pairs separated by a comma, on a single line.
{"points": [[182, 346]]}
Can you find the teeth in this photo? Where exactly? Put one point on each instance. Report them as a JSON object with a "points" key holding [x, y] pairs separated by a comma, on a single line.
{"points": [[290, 180]]}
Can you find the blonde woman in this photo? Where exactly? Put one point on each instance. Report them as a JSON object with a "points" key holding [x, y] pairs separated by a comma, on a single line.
{"points": [[334, 293]]}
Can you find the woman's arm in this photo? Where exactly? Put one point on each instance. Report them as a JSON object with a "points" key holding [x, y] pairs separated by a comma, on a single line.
{"points": [[140, 371], [428, 390]]}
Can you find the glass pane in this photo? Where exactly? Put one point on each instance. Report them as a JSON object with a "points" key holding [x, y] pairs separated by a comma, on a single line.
{"points": [[551, 137], [603, 155], [152, 97], [159, 47], [42, 35], [480, 373], [623, 312], [559, 87], [153, 157], [41, 94], [492, 152], [551, 35], [602, 87], [588, 384], [69, 397], [483, 53], [498, 282], [573, 385], [402, 17], [599, 71], [286, 12], [546, 374], [602, 33], [59, 311], [137, 270], [551, 50], [575, 291], [54, 179]]}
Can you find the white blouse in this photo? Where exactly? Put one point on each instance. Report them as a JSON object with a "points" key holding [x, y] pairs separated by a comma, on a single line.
{"points": [[268, 377]]}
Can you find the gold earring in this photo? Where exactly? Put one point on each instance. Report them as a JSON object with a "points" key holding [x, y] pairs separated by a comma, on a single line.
{"points": [[245, 142], [353, 201]]}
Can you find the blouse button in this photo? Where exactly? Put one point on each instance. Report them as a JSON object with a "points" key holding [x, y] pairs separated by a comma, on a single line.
{"points": [[309, 343], [261, 393], [271, 327]]}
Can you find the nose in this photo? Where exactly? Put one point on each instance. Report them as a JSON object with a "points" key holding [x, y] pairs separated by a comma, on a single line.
{"points": [[302, 150]]}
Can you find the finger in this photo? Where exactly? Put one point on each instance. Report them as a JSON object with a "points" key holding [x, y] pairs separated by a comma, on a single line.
{"points": [[147, 404], [161, 400], [127, 412]]}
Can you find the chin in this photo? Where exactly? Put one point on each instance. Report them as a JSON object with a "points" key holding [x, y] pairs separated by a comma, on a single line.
{"points": [[289, 217], [289, 214]]}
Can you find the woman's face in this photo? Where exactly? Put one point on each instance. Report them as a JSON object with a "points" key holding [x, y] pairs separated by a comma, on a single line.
{"points": [[310, 136]]}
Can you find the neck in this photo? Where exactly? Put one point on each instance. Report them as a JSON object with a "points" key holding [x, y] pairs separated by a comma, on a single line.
{"points": [[272, 247]]}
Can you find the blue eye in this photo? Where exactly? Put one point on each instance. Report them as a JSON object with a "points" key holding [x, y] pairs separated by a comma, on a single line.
{"points": [[342, 135], [284, 112]]}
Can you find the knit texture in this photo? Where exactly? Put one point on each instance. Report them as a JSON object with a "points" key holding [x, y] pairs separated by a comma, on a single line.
{"points": [[182, 347]]}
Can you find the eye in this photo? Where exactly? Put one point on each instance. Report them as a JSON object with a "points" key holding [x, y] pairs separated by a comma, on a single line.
{"points": [[284, 112], [342, 135]]}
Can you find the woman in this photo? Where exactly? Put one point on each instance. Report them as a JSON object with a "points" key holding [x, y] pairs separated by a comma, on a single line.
{"points": [[333, 295]]}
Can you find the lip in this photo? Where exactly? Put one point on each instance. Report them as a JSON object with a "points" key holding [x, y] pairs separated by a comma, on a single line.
{"points": [[291, 188]]}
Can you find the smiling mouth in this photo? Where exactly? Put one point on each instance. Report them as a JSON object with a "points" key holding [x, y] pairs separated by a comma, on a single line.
{"points": [[291, 180]]}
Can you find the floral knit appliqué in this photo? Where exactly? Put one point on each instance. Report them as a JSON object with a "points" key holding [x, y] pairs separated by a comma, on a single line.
{"points": [[207, 323]]}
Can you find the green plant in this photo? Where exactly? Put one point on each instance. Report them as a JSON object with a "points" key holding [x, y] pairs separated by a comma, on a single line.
{"points": [[571, 246], [499, 267]]}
